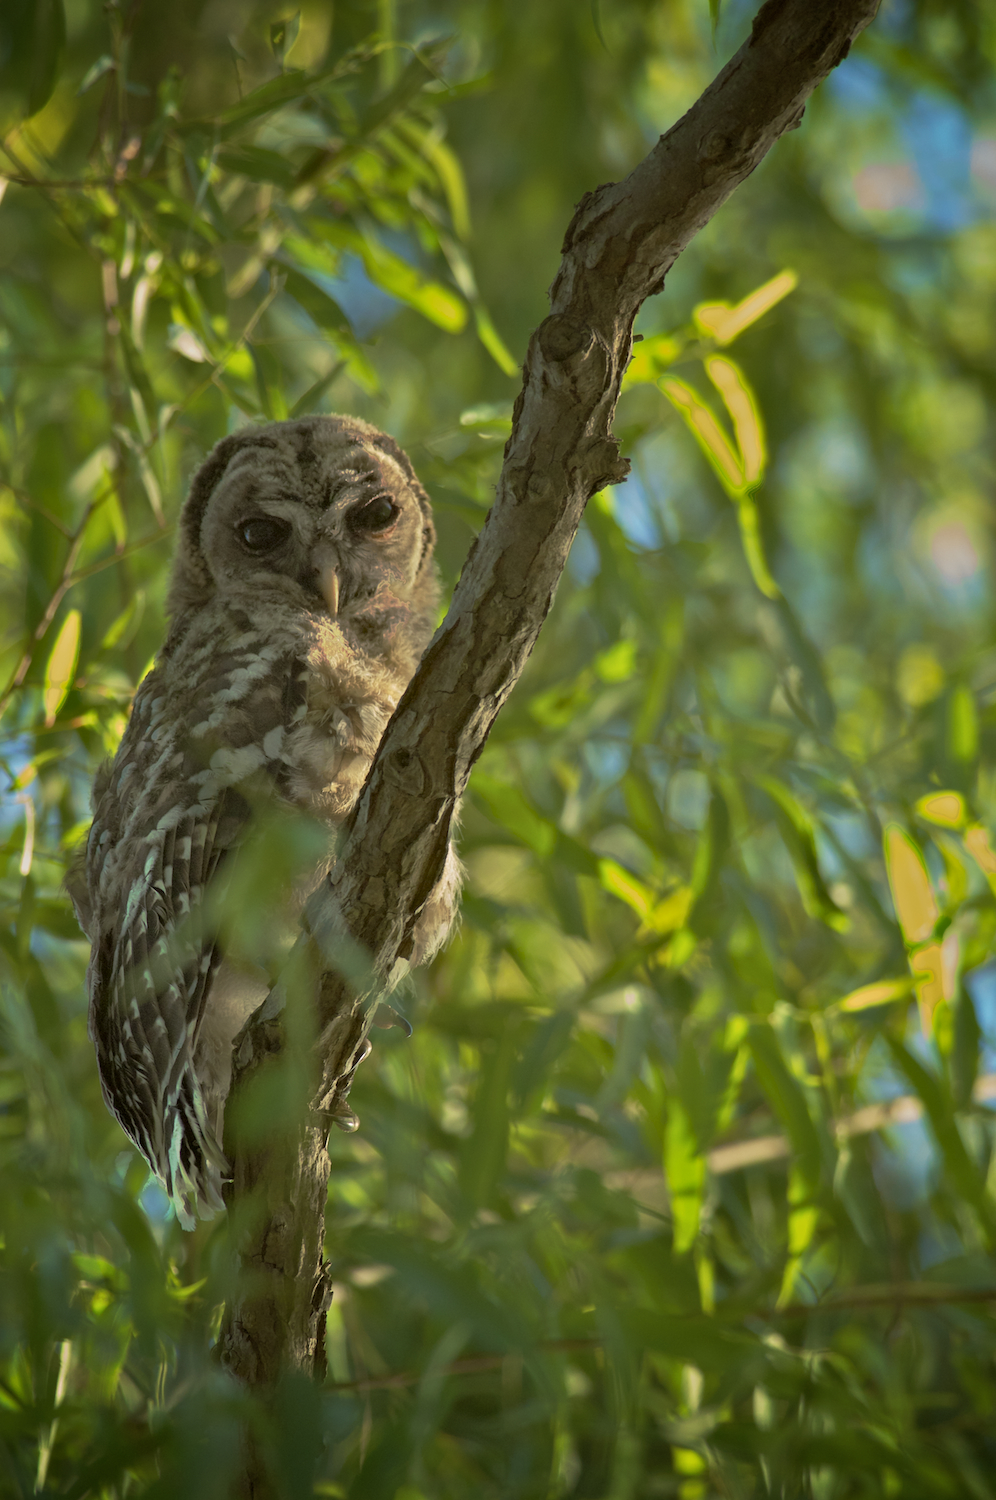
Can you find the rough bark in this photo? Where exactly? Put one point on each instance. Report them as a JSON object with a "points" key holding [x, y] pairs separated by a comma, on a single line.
{"points": [[623, 239]]}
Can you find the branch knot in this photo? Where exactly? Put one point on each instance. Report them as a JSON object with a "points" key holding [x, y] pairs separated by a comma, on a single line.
{"points": [[562, 337]]}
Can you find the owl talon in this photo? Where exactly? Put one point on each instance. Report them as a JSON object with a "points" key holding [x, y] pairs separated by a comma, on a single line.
{"points": [[386, 1016]]}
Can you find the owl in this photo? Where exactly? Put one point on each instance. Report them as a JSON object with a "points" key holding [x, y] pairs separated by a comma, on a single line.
{"points": [[303, 593]]}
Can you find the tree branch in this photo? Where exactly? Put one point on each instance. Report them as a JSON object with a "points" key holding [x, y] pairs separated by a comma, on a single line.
{"points": [[622, 240]]}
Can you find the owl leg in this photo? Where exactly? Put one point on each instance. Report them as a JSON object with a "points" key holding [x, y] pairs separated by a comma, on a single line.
{"points": [[236, 991], [432, 927]]}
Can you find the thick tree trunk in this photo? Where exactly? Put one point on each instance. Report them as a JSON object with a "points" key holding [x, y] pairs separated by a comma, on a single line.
{"points": [[622, 240]]}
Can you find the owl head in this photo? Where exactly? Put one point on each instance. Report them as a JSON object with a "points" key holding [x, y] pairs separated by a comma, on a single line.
{"points": [[324, 512]]}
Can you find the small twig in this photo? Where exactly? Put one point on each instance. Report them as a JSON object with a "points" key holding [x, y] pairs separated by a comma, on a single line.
{"points": [[69, 183], [916, 1295], [474, 1364]]}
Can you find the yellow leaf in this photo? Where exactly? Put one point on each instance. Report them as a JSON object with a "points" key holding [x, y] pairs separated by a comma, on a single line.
{"points": [[928, 972], [882, 992], [60, 668], [720, 321], [978, 845], [945, 808], [742, 405], [710, 435], [670, 914], [912, 893], [619, 882]]}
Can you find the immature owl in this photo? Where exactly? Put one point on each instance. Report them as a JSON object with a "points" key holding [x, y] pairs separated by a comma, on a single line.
{"points": [[302, 597]]}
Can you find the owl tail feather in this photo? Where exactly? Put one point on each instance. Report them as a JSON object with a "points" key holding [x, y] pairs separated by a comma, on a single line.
{"points": [[195, 1165]]}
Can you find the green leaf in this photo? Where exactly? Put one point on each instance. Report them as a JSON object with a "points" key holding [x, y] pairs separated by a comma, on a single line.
{"points": [[317, 303], [32, 36], [283, 35], [785, 1094], [797, 834], [258, 164], [483, 1154], [963, 1172], [685, 1170], [509, 808]]}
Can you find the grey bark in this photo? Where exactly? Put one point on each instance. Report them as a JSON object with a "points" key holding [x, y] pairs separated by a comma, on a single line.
{"points": [[623, 239]]}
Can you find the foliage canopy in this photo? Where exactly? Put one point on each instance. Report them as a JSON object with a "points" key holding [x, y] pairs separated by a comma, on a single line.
{"points": [[684, 1183]]}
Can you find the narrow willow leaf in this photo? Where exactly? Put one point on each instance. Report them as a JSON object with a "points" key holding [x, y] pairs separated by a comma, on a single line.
{"points": [[978, 844], [720, 321], [507, 805], [797, 834], [786, 1096], [741, 403], [803, 1221], [258, 165], [912, 893], [621, 883], [685, 1170], [963, 725], [96, 72], [450, 174], [947, 809], [483, 1156], [927, 965], [707, 432], [882, 992], [964, 1173], [184, 341], [60, 669], [750, 535], [492, 340], [310, 399], [283, 35]]}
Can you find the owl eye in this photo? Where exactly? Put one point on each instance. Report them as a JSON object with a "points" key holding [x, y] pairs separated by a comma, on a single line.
{"points": [[262, 533], [375, 515]]}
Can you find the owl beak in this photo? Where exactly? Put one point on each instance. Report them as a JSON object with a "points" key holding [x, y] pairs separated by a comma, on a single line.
{"points": [[329, 584], [327, 578]]}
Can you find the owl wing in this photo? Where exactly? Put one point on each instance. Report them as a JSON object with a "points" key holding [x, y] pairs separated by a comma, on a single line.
{"points": [[164, 825]]}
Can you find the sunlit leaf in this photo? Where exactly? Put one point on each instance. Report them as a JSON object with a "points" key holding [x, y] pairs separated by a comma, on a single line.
{"points": [[944, 808], [741, 403], [684, 1167], [912, 893], [882, 992], [963, 724], [60, 669], [707, 431], [724, 323], [186, 342], [797, 831], [283, 35], [927, 964], [979, 846]]}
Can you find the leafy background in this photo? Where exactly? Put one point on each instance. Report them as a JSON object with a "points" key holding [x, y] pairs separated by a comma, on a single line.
{"points": [[683, 1185]]}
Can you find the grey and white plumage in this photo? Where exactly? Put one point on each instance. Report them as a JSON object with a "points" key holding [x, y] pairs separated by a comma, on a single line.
{"points": [[303, 594]]}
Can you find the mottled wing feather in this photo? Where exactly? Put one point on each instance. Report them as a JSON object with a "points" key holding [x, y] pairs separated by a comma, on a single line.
{"points": [[153, 958]]}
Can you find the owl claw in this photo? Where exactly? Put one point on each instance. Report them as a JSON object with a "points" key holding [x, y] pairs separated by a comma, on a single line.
{"points": [[386, 1016]]}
